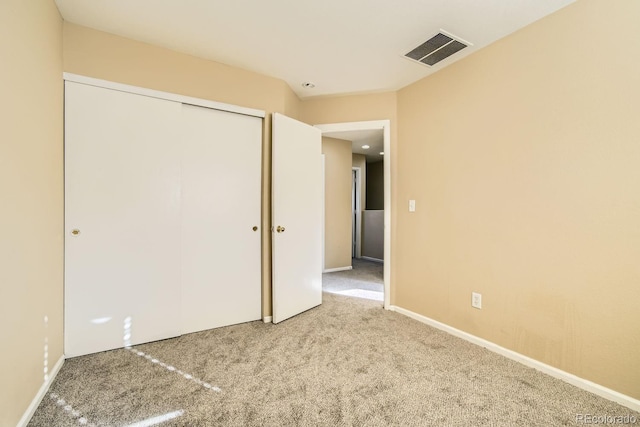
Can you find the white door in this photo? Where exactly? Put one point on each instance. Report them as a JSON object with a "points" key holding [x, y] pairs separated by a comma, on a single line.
{"points": [[122, 219], [221, 193], [296, 217]]}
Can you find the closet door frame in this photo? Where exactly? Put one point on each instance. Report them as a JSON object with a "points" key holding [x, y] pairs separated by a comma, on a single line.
{"points": [[134, 90], [163, 95]]}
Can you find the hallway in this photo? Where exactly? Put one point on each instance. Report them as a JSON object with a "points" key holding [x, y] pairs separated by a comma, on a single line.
{"points": [[365, 280]]}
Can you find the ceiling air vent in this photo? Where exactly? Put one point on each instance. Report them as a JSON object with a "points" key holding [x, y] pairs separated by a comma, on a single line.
{"points": [[436, 49]]}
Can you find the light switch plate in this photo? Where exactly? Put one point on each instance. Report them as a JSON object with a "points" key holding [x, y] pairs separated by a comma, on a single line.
{"points": [[412, 205], [476, 300]]}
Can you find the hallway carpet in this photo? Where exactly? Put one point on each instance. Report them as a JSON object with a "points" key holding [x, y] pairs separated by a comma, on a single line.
{"points": [[365, 280]]}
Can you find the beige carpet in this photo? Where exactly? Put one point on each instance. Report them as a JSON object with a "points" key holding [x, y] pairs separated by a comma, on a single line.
{"points": [[365, 280], [345, 363]]}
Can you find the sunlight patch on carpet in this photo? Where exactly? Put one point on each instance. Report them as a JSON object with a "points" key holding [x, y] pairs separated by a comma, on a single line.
{"points": [[173, 369], [360, 293], [73, 413], [157, 420]]}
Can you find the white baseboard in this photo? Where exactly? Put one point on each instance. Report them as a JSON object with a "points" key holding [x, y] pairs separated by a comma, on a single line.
{"points": [[267, 319], [368, 258], [26, 417], [331, 270], [587, 385]]}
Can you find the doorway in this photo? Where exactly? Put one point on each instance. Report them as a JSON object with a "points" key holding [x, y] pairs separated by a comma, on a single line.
{"points": [[334, 130]]}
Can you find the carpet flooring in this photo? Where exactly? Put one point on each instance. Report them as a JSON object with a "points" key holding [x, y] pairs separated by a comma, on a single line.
{"points": [[347, 362], [365, 280]]}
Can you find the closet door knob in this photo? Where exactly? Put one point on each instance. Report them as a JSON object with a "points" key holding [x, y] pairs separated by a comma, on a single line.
{"points": [[75, 231], [255, 228], [280, 229]]}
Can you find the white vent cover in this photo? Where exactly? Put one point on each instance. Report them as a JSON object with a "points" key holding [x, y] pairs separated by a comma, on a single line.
{"points": [[437, 48]]}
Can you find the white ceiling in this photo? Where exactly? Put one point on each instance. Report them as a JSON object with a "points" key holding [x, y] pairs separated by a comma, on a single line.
{"points": [[374, 138], [342, 46]]}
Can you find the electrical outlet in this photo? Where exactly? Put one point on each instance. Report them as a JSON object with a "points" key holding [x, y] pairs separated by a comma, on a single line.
{"points": [[476, 300]]}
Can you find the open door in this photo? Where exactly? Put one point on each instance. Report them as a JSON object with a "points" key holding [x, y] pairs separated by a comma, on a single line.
{"points": [[296, 217]]}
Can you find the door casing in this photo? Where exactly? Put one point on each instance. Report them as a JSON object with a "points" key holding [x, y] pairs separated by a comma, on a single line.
{"points": [[385, 126]]}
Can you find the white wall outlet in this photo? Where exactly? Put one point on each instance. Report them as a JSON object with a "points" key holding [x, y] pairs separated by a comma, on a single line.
{"points": [[476, 300], [412, 205]]}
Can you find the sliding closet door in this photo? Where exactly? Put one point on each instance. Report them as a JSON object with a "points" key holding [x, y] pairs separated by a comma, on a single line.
{"points": [[122, 220], [221, 182]]}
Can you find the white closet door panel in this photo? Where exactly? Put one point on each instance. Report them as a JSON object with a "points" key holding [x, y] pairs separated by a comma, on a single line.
{"points": [[122, 181], [221, 193]]}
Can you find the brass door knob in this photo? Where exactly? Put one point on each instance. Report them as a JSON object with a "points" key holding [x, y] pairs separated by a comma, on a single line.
{"points": [[280, 229], [75, 231], [255, 228]]}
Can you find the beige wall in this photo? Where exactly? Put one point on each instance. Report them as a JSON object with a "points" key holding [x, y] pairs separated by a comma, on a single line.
{"points": [[292, 104], [105, 56], [524, 162], [375, 185], [337, 202], [97, 54], [31, 188], [350, 108]]}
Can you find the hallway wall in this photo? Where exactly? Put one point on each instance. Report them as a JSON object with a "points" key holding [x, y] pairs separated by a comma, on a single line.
{"points": [[337, 190]]}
